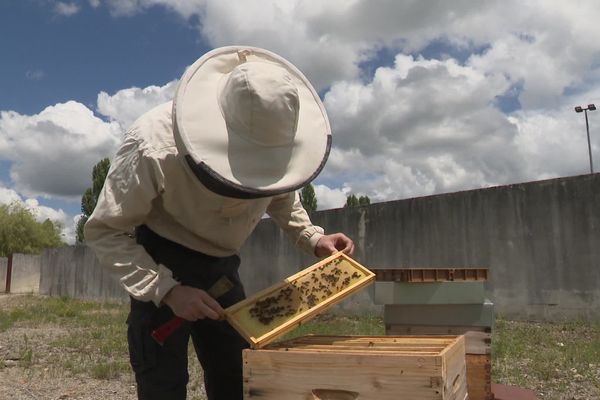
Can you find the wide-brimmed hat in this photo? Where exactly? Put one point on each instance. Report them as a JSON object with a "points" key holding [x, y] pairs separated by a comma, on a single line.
{"points": [[249, 124]]}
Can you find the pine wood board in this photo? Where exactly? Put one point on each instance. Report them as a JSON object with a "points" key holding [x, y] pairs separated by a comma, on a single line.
{"points": [[274, 311], [300, 368], [370, 344], [478, 340], [479, 377], [477, 348]]}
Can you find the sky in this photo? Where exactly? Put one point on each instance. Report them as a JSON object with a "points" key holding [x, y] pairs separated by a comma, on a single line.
{"points": [[423, 97]]}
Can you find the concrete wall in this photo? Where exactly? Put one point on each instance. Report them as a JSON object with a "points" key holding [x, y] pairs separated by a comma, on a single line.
{"points": [[26, 269], [25, 276], [74, 271], [540, 240]]}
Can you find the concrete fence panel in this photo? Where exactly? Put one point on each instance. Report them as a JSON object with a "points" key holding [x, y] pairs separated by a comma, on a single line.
{"points": [[74, 271], [540, 241], [26, 269]]}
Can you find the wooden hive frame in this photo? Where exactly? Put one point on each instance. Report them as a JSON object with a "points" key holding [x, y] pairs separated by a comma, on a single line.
{"points": [[331, 280]]}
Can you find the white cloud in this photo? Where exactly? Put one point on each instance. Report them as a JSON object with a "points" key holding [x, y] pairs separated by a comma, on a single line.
{"points": [[42, 213], [127, 105], [186, 8], [430, 126], [549, 45], [553, 143], [422, 126], [8, 196], [328, 198], [283, 28], [53, 152], [66, 9]]}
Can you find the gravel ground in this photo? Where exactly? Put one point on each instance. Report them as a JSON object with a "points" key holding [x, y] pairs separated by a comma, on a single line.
{"points": [[39, 373], [558, 362]]}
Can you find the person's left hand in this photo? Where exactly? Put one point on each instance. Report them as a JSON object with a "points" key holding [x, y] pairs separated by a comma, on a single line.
{"points": [[329, 244]]}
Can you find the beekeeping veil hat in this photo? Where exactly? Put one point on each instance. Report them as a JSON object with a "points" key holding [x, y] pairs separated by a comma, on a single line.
{"points": [[249, 124]]}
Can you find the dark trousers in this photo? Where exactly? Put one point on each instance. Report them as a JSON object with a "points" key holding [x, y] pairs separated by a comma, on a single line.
{"points": [[161, 372]]}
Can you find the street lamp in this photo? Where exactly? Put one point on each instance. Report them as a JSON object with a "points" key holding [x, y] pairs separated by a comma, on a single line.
{"points": [[578, 109]]}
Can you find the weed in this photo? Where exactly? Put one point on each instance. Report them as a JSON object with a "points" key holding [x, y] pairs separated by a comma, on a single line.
{"points": [[26, 358], [108, 369]]}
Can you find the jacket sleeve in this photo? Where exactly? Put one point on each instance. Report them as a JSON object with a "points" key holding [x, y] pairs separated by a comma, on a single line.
{"points": [[287, 211], [133, 181]]}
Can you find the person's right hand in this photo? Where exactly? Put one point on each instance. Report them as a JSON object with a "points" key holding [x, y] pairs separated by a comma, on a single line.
{"points": [[192, 304]]}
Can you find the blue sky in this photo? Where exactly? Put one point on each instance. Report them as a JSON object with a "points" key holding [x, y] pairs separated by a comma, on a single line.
{"points": [[423, 97], [51, 58]]}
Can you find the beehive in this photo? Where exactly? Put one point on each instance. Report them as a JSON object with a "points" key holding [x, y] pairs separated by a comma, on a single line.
{"points": [[280, 308], [357, 367], [442, 301]]}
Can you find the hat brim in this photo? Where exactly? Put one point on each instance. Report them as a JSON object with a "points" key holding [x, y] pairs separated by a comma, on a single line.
{"points": [[226, 162]]}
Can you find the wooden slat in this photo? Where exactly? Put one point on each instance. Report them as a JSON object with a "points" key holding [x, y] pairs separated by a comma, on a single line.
{"points": [[430, 274], [384, 339], [478, 339], [367, 342]]}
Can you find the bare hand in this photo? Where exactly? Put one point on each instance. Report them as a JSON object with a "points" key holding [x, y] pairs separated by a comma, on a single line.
{"points": [[329, 244], [192, 304]]}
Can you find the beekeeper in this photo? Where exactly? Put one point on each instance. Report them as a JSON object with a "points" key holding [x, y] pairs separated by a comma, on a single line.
{"points": [[188, 185]]}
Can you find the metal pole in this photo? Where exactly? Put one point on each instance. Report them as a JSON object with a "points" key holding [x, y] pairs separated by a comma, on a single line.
{"points": [[8, 273], [587, 127]]}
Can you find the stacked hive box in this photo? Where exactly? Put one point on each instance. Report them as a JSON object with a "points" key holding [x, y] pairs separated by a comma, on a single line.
{"points": [[442, 301], [357, 367]]}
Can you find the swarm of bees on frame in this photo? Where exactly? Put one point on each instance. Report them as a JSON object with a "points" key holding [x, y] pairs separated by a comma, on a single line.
{"points": [[304, 293]]}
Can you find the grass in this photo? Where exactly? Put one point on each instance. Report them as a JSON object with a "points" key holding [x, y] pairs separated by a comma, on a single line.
{"points": [[90, 340], [556, 356], [328, 324]]}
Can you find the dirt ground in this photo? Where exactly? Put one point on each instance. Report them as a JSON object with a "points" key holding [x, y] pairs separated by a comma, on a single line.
{"points": [[21, 380], [32, 365], [43, 377]]}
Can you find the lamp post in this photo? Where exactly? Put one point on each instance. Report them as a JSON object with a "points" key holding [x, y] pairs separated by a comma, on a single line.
{"points": [[578, 109]]}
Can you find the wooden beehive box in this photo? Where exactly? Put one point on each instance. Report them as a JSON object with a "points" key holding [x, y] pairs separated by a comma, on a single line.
{"points": [[270, 313], [418, 301], [357, 367]]}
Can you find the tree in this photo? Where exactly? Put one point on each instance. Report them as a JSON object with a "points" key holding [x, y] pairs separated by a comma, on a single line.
{"points": [[90, 196], [353, 201], [21, 233], [308, 198]]}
